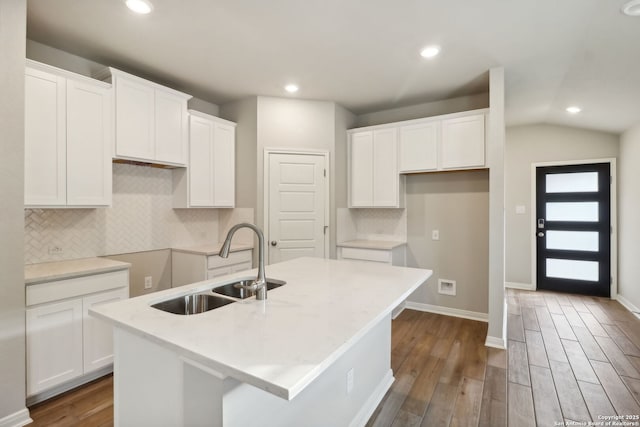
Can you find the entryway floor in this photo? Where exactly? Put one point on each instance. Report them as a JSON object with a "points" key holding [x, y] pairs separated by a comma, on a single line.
{"points": [[571, 358]]}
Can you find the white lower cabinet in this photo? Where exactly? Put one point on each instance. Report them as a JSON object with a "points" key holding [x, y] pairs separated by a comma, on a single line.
{"points": [[65, 343], [190, 267], [54, 344]]}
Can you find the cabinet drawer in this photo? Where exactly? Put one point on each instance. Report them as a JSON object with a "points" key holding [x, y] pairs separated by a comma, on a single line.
{"points": [[216, 261], [366, 254], [77, 286]]}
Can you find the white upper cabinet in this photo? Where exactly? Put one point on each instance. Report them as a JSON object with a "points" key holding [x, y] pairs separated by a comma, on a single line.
{"points": [[419, 147], [463, 142], [361, 173], [67, 139], [151, 120], [45, 180], [89, 141], [209, 180], [135, 121], [373, 169]]}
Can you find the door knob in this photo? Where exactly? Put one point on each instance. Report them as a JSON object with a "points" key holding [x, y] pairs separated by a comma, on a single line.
{"points": [[540, 234], [274, 243]]}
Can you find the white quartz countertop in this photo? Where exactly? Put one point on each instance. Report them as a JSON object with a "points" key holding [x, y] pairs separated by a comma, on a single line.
{"points": [[283, 343], [372, 244], [58, 270], [211, 249]]}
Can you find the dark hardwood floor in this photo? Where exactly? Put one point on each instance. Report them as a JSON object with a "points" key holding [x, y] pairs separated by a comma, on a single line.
{"points": [[571, 358]]}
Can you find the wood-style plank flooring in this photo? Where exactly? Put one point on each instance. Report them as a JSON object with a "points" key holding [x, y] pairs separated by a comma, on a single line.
{"points": [[570, 358], [445, 376], [90, 405]]}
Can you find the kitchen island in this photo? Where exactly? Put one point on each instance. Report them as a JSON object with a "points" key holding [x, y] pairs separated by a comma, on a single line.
{"points": [[317, 352]]}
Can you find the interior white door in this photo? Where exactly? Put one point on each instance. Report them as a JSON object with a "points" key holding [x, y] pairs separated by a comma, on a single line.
{"points": [[297, 198]]}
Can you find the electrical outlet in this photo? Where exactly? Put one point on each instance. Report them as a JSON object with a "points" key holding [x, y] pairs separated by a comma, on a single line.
{"points": [[435, 234], [148, 282], [350, 381], [55, 250]]}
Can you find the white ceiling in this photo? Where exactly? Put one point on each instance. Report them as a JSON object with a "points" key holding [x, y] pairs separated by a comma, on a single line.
{"points": [[363, 54]]}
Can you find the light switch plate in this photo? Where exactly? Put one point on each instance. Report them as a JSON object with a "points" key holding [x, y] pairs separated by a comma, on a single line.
{"points": [[435, 234]]}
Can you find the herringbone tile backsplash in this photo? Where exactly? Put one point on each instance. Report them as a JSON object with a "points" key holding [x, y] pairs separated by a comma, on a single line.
{"points": [[141, 219]]}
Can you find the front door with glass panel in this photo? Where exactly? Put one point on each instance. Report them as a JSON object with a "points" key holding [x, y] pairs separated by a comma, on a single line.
{"points": [[573, 228]]}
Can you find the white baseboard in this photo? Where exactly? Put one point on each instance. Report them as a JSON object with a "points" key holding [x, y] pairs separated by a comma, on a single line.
{"points": [[373, 401], [522, 286], [447, 311], [628, 305], [398, 310], [496, 342], [17, 419]]}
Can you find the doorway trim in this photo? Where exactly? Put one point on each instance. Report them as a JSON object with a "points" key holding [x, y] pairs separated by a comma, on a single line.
{"points": [[614, 217], [265, 191]]}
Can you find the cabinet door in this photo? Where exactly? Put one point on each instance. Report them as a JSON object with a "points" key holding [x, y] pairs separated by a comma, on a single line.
{"points": [[385, 168], [463, 142], [45, 139], [170, 128], [54, 344], [98, 334], [419, 147], [88, 145], [224, 159], [135, 109], [201, 133], [361, 169]]}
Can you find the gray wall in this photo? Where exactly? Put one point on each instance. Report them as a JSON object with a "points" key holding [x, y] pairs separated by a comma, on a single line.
{"points": [[12, 299], [245, 113], [436, 108], [344, 120], [456, 204], [540, 143], [156, 264], [629, 224]]}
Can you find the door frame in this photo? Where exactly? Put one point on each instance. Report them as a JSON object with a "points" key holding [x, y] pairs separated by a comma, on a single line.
{"points": [[265, 192], [613, 214]]}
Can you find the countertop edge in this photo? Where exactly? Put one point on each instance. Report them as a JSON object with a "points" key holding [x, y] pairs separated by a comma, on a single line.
{"points": [[372, 244], [82, 272]]}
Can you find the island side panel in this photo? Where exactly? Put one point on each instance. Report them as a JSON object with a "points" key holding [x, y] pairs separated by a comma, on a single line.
{"points": [[147, 383], [326, 401]]}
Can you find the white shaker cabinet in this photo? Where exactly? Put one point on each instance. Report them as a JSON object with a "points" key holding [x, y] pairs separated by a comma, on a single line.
{"points": [[67, 139], [65, 345], [209, 180], [419, 147], [373, 169], [463, 142], [45, 151], [193, 265], [54, 343], [151, 120]]}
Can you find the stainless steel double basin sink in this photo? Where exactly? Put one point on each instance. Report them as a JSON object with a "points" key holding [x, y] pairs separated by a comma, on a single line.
{"points": [[204, 301]]}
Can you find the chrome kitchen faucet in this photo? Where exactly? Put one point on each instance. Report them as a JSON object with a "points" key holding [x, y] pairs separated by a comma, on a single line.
{"points": [[260, 284]]}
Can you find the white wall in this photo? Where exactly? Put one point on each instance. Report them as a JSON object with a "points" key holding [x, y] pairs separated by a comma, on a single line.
{"points": [[629, 223], [540, 143], [12, 299]]}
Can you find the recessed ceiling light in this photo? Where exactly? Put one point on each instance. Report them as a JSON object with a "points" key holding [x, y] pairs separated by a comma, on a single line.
{"points": [[291, 88], [430, 52], [139, 6], [573, 110], [631, 8]]}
